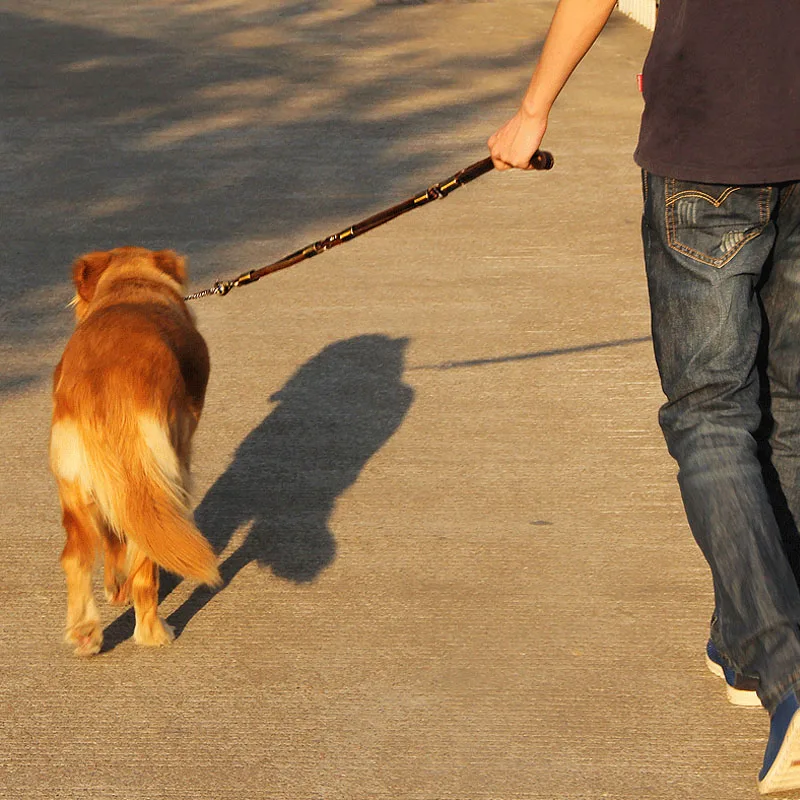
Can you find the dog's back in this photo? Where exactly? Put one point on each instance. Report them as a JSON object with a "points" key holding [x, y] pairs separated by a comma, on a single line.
{"points": [[128, 394]]}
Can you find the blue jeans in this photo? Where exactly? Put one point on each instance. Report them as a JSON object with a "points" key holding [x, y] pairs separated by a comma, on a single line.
{"points": [[723, 271]]}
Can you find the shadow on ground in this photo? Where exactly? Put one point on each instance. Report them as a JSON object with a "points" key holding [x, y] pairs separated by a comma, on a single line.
{"points": [[331, 417], [507, 359], [193, 127]]}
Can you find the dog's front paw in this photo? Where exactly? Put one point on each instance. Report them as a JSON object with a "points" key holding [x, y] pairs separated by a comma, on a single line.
{"points": [[87, 638], [155, 633]]}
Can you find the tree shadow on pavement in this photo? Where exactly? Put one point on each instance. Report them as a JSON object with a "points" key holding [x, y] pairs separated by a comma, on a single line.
{"points": [[193, 126], [331, 417]]}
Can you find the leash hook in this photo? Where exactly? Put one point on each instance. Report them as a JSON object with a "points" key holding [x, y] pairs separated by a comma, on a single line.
{"points": [[222, 287]]}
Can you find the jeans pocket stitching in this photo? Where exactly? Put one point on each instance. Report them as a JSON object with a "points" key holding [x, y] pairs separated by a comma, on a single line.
{"points": [[715, 201], [717, 263]]}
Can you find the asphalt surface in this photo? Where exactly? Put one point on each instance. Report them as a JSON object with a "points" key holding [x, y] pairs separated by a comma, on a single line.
{"points": [[455, 560]]}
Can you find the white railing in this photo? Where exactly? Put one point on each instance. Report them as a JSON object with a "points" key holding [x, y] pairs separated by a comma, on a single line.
{"points": [[643, 11]]}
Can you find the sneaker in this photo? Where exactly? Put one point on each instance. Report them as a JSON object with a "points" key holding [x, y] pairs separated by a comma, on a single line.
{"points": [[741, 689], [781, 770]]}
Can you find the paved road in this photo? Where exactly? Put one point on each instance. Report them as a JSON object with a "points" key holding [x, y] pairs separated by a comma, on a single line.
{"points": [[456, 564]]}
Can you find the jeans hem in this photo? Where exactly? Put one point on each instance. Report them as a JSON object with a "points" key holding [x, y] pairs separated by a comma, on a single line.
{"points": [[770, 700]]}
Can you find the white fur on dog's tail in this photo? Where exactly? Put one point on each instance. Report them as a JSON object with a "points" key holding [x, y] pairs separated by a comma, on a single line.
{"points": [[137, 484]]}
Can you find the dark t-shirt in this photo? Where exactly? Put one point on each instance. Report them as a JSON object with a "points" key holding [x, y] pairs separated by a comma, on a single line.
{"points": [[722, 92]]}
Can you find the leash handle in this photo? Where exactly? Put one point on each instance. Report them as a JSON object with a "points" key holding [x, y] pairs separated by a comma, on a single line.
{"points": [[541, 160]]}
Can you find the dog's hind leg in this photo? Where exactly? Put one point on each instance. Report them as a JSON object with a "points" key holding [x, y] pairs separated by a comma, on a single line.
{"points": [[115, 572], [77, 560], [150, 629]]}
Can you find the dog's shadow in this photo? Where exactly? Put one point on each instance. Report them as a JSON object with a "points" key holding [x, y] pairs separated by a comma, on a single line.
{"points": [[333, 414]]}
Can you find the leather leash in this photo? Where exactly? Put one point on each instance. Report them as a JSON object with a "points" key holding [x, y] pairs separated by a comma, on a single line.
{"points": [[541, 160]]}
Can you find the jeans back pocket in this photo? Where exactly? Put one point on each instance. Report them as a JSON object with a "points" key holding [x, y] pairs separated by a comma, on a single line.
{"points": [[710, 223]]}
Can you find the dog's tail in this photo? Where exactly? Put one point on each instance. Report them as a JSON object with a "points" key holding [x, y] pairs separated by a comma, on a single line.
{"points": [[138, 485]]}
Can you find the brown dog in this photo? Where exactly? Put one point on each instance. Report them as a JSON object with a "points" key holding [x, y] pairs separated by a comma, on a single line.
{"points": [[127, 398]]}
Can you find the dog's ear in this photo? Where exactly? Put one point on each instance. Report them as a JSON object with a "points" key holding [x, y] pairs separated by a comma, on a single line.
{"points": [[86, 271], [172, 264]]}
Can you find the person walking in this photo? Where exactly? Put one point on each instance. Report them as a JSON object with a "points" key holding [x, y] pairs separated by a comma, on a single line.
{"points": [[719, 149]]}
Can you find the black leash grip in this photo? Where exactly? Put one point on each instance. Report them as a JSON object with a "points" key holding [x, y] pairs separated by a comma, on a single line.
{"points": [[542, 159]]}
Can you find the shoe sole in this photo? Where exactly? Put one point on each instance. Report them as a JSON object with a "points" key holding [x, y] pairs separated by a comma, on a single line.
{"points": [[737, 697], [784, 774]]}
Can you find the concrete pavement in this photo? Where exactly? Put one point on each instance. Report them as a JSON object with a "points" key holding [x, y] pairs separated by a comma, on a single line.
{"points": [[455, 558]]}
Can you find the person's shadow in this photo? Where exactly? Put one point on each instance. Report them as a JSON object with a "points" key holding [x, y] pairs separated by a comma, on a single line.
{"points": [[333, 414]]}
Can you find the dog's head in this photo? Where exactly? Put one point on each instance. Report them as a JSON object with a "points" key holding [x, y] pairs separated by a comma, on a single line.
{"points": [[91, 271]]}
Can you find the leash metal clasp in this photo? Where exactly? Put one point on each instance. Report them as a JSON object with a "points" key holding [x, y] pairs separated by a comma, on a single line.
{"points": [[222, 287]]}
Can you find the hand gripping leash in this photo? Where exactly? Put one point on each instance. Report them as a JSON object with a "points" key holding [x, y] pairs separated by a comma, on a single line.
{"points": [[541, 160]]}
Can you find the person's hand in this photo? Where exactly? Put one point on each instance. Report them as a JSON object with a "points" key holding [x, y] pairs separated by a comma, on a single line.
{"points": [[514, 144]]}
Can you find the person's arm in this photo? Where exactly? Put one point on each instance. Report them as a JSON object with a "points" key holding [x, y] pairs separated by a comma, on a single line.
{"points": [[575, 26]]}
